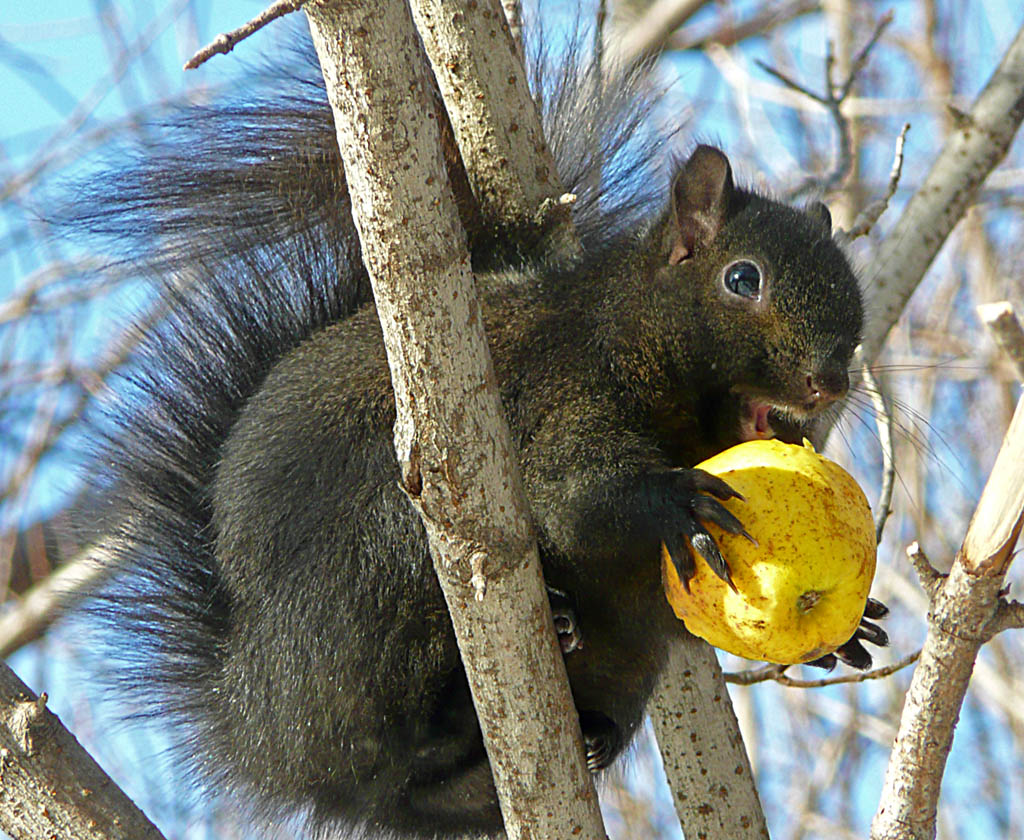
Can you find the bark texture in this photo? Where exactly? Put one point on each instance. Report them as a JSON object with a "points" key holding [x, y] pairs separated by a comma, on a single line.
{"points": [[962, 613], [480, 73], [49, 786], [705, 760], [451, 437]]}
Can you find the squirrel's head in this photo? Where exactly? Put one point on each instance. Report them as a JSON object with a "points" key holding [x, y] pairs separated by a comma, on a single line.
{"points": [[769, 310]]}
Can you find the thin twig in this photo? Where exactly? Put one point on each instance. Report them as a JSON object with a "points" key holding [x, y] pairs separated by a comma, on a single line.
{"points": [[50, 289], [54, 148], [730, 32], [38, 440], [766, 673], [833, 99], [931, 579], [883, 418], [862, 57], [117, 353], [862, 676], [791, 83], [226, 41], [843, 165], [775, 673], [867, 217], [1009, 616], [52, 597]]}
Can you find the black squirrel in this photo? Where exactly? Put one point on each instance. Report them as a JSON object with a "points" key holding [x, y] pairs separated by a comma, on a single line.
{"points": [[275, 595]]}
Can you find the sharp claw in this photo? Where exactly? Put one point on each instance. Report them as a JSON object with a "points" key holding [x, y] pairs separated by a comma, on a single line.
{"points": [[742, 532], [854, 655], [689, 486], [600, 739], [712, 510], [827, 662], [682, 558], [563, 612], [706, 546], [596, 760], [875, 609], [712, 484], [872, 634]]}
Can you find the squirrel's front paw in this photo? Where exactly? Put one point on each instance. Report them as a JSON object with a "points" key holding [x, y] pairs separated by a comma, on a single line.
{"points": [[682, 505], [853, 652]]}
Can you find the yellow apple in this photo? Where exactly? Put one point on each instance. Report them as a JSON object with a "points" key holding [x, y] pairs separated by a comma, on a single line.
{"points": [[801, 589]]}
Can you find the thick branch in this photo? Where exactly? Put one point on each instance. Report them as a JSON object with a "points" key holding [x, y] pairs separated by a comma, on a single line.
{"points": [[705, 760], [480, 73], [971, 152], [452, 441], [960, 621], [51, 787], [471, 56]]}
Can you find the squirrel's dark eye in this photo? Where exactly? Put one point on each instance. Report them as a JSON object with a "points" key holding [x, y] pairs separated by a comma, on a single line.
{"points": [[744, 279]]}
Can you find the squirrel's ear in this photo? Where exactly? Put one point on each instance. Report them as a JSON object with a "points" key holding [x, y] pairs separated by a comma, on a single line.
{"points": [[819, 212], [700, 199]]}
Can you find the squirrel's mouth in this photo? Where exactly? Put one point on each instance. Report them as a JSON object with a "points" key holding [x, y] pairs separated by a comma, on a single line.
{"points": [[755, 423], [760, 420]]}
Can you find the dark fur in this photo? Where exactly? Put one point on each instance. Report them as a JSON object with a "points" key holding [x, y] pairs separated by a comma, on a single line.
{"points": [[276, 596]]}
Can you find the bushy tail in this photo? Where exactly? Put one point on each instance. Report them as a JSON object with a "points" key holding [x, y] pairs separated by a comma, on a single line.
{"points": [[227, 181]]}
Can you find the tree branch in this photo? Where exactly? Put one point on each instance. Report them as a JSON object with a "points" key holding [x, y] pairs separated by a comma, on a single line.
{"points": [[646, 36], [930, 579], [730, 32], [52, 787], [494, 118], [776, 673], [705, 760], [226, 42], [867, 217], [883, 420], [963, 607], [971, 152], [451, 438], [46, 601], [833, 98], [1006, 329]]}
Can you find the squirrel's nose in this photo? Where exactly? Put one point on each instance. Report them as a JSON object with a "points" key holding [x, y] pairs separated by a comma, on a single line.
{"points": [[828, 383]]}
